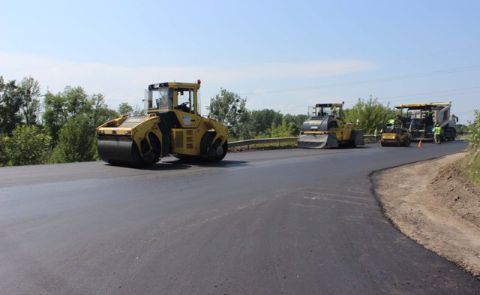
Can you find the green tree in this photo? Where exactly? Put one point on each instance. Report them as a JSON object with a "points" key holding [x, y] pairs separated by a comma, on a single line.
{"points": [[471, 162], [73, 101], [77, 101], [3, 157], [62, 106], [18, 103], [296, 122], [245, 128], [29, 90], [10, 103], [125, 109], [27, 145], [230, 109], [263, 120], [76, 141], [474, 130], [55, 114], [71, 117], [99, 111], [285, 129], [370, 114]]}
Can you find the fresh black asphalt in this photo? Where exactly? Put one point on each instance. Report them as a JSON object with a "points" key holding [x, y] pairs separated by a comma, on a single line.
{"points": [[264, 222]]}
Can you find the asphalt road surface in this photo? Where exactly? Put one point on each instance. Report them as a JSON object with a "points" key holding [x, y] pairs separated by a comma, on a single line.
{"points": [[266, 222]]}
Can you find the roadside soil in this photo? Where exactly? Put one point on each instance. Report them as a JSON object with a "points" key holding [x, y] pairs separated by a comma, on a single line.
{"points": [[432, 203]]}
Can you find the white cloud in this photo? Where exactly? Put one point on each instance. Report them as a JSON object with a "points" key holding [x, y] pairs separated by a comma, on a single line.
{"points": [[124, 83]]}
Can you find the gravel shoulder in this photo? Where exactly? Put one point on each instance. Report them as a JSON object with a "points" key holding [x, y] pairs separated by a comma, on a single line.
{"points": [[432, 203]]}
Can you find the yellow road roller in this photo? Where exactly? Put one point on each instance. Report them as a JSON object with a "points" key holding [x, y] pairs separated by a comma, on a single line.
{"points": [[393, 134], [327, 128], [172, 126]]}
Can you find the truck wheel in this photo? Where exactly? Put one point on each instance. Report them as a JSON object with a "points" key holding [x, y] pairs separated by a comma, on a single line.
{"points": [[452, 133]]}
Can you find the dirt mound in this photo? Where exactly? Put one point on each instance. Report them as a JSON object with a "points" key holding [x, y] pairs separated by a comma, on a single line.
{"points": [[457, 193], [432, 203]]}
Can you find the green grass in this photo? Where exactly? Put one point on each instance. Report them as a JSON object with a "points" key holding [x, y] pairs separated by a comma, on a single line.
{"points": [[462, 137], [471, 165], [268, 146], [275, 145]]}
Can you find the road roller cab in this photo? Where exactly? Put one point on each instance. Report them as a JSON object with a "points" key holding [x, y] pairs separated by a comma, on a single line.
{"points": [[173, 126]]}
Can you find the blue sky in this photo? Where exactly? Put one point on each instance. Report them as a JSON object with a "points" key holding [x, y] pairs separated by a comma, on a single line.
{"points": [[282, 55]]}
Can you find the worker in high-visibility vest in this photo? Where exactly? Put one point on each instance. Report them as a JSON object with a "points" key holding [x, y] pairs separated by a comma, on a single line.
{"points": [[389, 126], [437, 133]]}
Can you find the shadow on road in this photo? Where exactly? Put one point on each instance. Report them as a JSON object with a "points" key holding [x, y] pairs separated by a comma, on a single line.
{"points": [[221, 164], [179, 165], [174, 165], [346, 147]]}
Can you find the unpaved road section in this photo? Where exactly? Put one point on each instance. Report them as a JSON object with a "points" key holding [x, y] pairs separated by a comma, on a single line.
{"points": [[434, 205]]}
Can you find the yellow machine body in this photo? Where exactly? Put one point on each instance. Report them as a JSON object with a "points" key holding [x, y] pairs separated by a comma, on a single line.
{"points": [[169, 128], [327, 128], [395, 135], [389, 136]]}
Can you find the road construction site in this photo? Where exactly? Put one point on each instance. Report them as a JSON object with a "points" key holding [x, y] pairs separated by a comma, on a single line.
{"points": [[293, 221]]}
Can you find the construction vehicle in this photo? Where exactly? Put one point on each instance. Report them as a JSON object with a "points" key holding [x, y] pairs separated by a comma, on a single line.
{"points": [[327, 128], [394, 134], [172, 126], [420, 118]]}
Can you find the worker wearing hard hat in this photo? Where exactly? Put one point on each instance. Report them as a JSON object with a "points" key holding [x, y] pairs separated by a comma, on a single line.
{"points": [[437, 133], [389, 126]]}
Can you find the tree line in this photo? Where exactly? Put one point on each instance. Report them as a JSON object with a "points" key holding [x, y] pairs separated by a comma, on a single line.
{"points": [[228, 107], [64, 132], [60, 127]]}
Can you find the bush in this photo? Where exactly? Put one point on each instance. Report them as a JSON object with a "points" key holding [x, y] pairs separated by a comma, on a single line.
{"points": [[370, 114], [76, 142], [472, 161], [261, 121], [471, 165], [27, 145], [3, 158], [229, 108], [285, 129], [474, 129], [296, 122]]}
